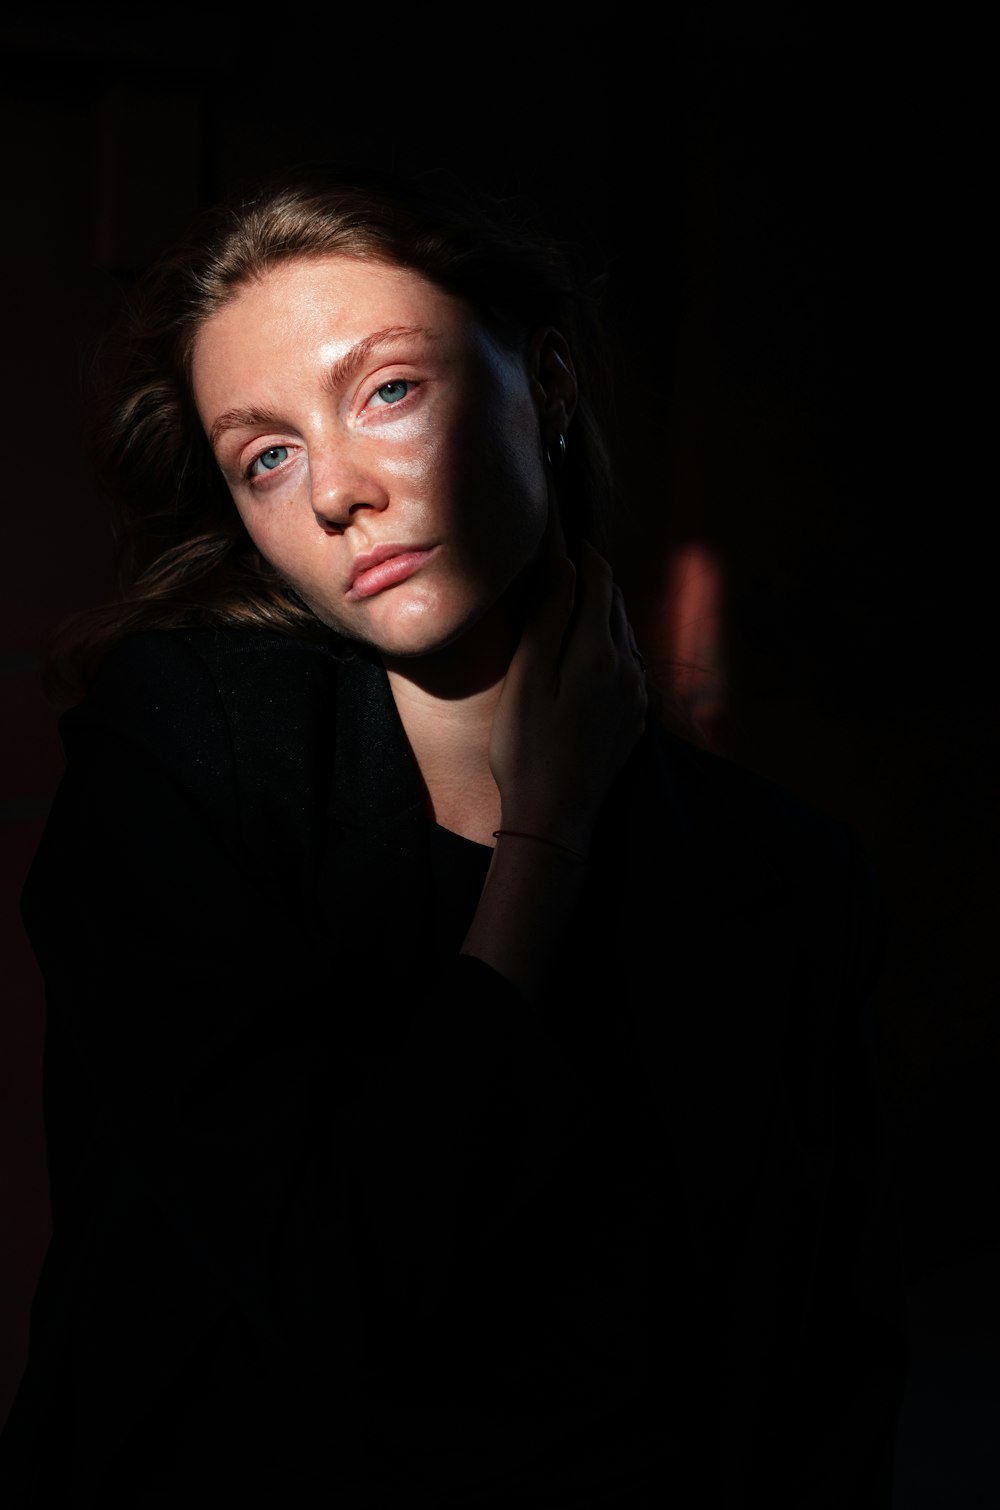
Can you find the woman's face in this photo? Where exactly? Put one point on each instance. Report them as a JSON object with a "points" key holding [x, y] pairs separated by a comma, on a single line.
{"points": [[383, 449]]}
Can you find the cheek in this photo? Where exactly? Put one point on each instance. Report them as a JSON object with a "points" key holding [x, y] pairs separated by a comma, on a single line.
{"points": [[499, 460], [248, 523], [273, 531], [260, 536], [517, 491]]}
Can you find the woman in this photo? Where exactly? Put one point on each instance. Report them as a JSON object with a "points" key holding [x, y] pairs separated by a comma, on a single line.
{"points": [[455, 1090]]}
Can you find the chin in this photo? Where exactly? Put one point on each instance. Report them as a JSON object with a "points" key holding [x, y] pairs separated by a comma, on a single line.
{"points": [[422, 627], [399, 641], [414, 647]]}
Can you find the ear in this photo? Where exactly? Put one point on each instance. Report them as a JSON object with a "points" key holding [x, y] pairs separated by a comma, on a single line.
{"points": [[553, 382]]}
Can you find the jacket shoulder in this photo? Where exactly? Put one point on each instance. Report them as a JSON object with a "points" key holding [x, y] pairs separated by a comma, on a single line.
{"points": [[183, 692], [152, 667], [750, 838], [708, 790]]}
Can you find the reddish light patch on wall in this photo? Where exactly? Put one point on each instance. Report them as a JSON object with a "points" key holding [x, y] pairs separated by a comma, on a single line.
{"points": [[691, 640]]}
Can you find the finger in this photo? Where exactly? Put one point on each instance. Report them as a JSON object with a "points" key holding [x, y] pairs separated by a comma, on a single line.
{"points": [[550, 607], [609, 629], [631, 641], [594, 593], [554, 538], [621, 629]]}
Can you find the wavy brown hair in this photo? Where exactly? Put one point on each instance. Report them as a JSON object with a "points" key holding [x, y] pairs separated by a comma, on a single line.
{"points": [[184, 556]]}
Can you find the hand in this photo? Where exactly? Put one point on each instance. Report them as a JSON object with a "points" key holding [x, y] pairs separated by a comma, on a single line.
{"points": [[573, 704]]}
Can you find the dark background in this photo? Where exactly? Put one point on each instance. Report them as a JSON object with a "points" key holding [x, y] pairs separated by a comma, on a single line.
{"points": [[785, 205]]}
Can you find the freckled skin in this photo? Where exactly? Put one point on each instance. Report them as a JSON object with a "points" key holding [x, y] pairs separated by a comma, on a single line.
{"points": [[448, 455]]}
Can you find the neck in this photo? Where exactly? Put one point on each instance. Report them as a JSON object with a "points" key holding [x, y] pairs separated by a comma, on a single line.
{"points": [[446, 702]]}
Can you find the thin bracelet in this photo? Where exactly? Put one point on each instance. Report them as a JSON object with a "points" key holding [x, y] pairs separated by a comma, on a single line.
{"points": [[516, 833]]}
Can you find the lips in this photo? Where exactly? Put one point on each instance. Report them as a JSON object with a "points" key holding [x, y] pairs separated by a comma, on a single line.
{"points": [[385, 566]]}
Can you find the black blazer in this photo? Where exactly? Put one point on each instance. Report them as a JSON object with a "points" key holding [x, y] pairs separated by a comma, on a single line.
{"points": [[336, 1211]]}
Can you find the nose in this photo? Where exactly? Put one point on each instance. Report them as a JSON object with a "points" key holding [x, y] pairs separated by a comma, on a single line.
{"points": [[344, 480]]}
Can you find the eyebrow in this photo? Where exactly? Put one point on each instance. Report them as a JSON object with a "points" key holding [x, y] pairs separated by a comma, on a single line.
{"points": [[341, 370]]}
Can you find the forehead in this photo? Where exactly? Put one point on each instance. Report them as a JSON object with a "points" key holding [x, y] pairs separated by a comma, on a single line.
{"points": [[306, 317], [333, 298], [285, 332]]}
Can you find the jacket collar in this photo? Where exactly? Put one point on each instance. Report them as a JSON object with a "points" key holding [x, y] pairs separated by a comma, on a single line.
{"points": [[375, 867], [376, 783]]}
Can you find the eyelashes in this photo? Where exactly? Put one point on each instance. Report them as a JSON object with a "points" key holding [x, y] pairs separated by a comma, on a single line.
{"points": [[387, 392], [270, 459], [273, 458]]}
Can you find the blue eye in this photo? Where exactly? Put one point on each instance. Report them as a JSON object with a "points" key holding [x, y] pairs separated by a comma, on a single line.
{"points": [[392, 392], [269, 460]]}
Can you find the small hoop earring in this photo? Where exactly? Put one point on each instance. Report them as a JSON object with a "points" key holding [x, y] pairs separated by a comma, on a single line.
{"points": [[556, 461]]}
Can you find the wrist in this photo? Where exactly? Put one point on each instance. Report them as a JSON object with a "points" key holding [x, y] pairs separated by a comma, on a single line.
{"points": [[528, 836]]}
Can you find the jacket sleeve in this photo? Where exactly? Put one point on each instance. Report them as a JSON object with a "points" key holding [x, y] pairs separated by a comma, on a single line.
{"points": [[829, 1436], [177, 1069]]}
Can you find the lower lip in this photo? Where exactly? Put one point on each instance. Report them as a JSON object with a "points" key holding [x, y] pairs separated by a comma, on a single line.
{"points": [[387, 574]]}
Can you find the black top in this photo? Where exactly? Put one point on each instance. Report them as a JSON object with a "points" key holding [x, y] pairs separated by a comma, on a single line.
{"points": [[339, 1218]]}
